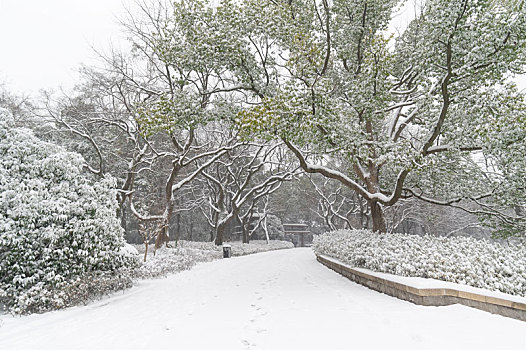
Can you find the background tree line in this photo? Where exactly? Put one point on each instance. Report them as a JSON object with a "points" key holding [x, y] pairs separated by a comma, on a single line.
{"points": [[224, 117]]}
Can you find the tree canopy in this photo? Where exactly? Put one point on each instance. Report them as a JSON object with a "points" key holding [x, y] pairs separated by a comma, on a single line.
{"points": [[390, 117]]}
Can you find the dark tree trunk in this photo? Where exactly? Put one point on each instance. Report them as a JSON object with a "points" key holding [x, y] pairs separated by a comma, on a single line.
{"points": [[191, 231], [162, 237], [246, 238], [145, 250], [212, 234], [122, 212], [213, 230], [378, 218], [244, 222], [177, 227], [220, 232]]}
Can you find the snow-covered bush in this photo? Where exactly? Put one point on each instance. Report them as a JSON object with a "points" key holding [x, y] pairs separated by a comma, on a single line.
{"points": [[172, 260], [56, 227], [478, 263], [188, 253], [239, 248]]}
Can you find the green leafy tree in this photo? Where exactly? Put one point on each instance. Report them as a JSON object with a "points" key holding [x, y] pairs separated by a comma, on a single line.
{"points": [[390, 118]]}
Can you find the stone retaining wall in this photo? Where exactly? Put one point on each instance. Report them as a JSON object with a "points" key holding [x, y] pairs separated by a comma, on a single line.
{"points": [[429, 297]]}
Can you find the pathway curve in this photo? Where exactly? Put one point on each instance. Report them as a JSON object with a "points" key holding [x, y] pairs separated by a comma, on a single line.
{"points": [[276, 300]]}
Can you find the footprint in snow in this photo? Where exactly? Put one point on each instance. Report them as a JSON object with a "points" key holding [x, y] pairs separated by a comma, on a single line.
{"points": [[248, 344]]}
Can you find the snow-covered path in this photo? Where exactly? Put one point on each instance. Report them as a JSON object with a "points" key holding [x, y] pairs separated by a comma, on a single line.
{"points": [[276, 300]]}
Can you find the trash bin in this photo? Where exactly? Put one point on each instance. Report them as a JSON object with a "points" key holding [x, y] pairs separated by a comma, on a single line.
{"points": [[227, 251]]}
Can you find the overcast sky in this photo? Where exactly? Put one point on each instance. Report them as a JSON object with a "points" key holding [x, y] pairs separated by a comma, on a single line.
{"points": [[43, 42]]}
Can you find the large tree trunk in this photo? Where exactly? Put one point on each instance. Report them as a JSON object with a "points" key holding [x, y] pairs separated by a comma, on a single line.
{"points": [[378, 218], [245, 234], [212, 234], [220, 232], [164, 234], [162, 237], [213, 230]]}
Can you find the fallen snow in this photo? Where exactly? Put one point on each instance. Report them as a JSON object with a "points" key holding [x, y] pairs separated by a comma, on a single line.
{"points": [[275, 300]]}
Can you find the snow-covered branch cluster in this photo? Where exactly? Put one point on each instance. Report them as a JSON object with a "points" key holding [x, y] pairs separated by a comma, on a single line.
{"points": [[239, 186], [337, 205]]}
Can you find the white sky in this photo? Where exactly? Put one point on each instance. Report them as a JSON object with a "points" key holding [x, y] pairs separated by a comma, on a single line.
{"points": [[43, 42]]}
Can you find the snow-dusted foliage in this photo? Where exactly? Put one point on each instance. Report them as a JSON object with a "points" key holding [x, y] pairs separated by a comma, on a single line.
{"points": [[187, 254], [56, 227], [171, 260], [478, 263], [239, 248]]}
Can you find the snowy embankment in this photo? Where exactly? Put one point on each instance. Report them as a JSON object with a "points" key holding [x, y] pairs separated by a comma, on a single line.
{"points": [[277, 300], [464, 260], [187, 254]]}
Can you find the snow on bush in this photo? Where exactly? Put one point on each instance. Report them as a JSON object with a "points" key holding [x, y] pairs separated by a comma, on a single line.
{"points": [[238, 248], [58, 230], [171, 260], [187, 254], [478, 263]]}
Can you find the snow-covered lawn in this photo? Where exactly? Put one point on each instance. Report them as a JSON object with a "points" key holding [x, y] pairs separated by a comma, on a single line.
{"points": [[276, 300]]}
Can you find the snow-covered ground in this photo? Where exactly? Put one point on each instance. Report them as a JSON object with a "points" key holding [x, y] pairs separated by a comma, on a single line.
{"points": [[276, 300]]}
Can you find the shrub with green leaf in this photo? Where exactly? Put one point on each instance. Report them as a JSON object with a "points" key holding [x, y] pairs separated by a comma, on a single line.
{"points": [[465, 260], [56, 226]]}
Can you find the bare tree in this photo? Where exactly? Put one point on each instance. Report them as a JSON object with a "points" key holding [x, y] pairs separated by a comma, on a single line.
{"points": [[240, 183], [338, 206]]}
